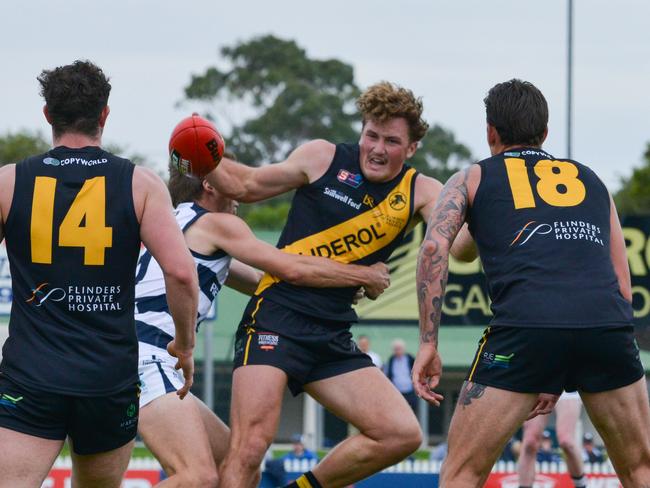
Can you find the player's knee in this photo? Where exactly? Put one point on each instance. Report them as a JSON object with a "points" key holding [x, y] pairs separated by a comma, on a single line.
{"points": [[251, 451], [567, 443], [408, 440], [530, 446]]}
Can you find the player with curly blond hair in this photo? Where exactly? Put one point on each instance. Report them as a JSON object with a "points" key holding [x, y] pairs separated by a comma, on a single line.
{"points": [[353, 203]]}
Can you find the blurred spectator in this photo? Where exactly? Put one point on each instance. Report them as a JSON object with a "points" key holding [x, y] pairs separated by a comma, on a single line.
{"points": [[398, 371], [363, 342], [298, 450], [591, 453], [439, 452], [546, 453]]}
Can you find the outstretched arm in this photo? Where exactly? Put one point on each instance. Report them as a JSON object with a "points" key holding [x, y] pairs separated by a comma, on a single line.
{"points": [[231, 234], [444, 224], [251, 184], [243, 278]]}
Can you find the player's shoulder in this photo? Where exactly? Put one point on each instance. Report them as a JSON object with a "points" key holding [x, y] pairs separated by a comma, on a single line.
{"points": [[146, 179], [313, 152], [427, 184], [7, 171], [220, 223]]}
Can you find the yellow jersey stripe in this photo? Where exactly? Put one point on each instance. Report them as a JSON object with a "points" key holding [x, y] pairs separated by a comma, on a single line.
{"points": [[478, 354], [359, 236]]}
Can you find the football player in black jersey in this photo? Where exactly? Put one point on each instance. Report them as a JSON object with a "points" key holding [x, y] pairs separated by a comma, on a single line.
{"points": [[353, 203], [554, 256], [74, 219]]}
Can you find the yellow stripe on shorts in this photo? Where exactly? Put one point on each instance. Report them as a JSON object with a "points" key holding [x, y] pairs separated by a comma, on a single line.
{"points": [[478, 354], [250, 331]]}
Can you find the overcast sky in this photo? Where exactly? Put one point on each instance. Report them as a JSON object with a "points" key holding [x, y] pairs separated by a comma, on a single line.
{"points": [[450, 53]]}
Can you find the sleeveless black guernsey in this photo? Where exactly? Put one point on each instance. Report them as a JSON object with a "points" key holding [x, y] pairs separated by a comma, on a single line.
{"points": [[542, 227], [73, 240], [341, 216]]}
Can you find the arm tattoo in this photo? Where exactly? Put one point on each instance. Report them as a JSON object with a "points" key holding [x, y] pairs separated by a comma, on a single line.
{"points": [[469, 392], [433, 260]]}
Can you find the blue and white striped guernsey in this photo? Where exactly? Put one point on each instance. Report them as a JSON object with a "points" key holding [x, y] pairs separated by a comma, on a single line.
{"points": [[154, 324]]}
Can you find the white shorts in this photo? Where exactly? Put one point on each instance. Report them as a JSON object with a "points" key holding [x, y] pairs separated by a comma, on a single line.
{"points": [[157, 377], [569, 395]]}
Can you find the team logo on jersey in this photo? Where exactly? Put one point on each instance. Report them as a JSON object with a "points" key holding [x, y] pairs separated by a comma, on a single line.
{"points": [[397, 200], [524, 234], [267, 341], [51, 161], [41, 294], [349, 179], [368, 200], [497, 360]]}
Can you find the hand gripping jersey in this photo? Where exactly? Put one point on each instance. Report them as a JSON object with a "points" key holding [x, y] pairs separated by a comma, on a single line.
{"points": [[73, 240], [155, 326], [341, 216], [542, 227]]}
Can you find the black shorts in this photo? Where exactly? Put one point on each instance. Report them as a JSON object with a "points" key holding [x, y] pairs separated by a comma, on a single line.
{"points": [[306, 348], [94, 424], [535, 360]]}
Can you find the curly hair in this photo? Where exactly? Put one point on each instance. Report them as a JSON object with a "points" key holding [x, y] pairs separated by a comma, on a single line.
{"points": [[386, 100], [75, 96]]}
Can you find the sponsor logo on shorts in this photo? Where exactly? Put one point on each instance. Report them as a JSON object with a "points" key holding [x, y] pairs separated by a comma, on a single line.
{"points": [[131, 420], [349, 179], [563, 230], [497, 360], [267, 341], [130, 411], [9, 401]]}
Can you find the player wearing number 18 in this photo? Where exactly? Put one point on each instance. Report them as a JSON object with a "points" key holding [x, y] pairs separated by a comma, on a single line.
{"points": [[74, 218], [554, 257]]}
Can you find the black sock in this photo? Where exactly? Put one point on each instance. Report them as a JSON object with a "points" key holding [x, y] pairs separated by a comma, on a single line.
{"points": [[579, 481]]}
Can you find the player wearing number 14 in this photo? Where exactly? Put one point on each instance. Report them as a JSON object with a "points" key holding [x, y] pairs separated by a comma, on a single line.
{"points": [[554, 256], [74, 218]]}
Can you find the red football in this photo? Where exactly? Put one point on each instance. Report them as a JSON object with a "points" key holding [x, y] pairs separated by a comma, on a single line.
{"points": [[195, 146]]}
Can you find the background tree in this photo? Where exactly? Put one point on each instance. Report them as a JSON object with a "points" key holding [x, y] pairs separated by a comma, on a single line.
{"points": [[15, 147], [634, 196], [283, 99]]}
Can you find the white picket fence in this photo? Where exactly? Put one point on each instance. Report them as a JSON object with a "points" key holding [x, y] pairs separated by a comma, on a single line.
{"points": [[429, 467]]}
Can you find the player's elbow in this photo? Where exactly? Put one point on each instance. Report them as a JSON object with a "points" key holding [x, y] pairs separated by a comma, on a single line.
{"points": [[182, 274], [294, 275], [434, 247]]}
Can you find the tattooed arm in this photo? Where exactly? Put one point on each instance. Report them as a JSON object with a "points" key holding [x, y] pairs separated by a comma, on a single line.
{"points": [[444, 224]]}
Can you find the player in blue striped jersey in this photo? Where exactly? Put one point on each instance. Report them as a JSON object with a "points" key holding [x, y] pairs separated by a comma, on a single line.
{"points": [[187, 437]]}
